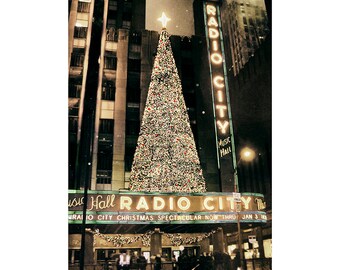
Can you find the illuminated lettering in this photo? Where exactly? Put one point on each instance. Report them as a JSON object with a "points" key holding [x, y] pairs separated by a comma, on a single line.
{"points": [[142, 204], [224, 152], [215, 45], [180, 203], [212, 22], [220, 203], [205, 203], [220, 96], [156, 205], [185, 206], [211, 10], [171, 203], [216, 58], [213, 33], [76, 202], [246, 202], [232, 204], [125, 202], [221, 109], [223, 126], [218, 81]]}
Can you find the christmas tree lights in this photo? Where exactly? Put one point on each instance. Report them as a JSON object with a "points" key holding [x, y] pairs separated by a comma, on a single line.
{"points": [[166, 158]]}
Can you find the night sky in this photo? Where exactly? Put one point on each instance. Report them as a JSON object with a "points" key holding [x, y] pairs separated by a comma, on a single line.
{"points": [[179, 11]]}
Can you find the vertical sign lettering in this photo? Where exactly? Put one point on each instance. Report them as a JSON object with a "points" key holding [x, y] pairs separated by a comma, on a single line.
{"points": [[219, 92]]}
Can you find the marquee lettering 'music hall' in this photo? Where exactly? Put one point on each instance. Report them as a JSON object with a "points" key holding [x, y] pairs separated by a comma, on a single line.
{"points": [[157, 122]]}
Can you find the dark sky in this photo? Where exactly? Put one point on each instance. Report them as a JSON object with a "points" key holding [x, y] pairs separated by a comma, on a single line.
{"points": [[179, 11]]}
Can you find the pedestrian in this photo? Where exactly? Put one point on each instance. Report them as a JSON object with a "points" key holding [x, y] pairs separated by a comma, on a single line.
{"points": [[106, 263], [203, 261], [174, 262], [124, 260], [158, 262], [209, 261], [237, 261], [226, 261], [141, 262], [218, 260]]}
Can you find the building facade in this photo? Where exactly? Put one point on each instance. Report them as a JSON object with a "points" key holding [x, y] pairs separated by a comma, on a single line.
{"points": [[246, 23], [110, 62]]}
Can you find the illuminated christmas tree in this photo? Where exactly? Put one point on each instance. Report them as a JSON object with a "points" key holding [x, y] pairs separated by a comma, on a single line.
{"points": [[166, 158]]}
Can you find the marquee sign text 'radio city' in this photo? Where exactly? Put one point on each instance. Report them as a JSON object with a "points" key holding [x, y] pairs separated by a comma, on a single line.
{"points": [[168, 203]]}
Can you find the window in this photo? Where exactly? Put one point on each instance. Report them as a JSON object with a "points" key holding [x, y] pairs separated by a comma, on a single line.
{"points": [[251, 22], [108, 90], [73, 124], [111, 34], [106, 126], [104, 162], [77, 58], [104, 176], [74, 87], [73, 255], [80, 32], [74, 91], [166, 253], [126, 24], [113, 5], [83, 7], [110, 62], [127, 5]]}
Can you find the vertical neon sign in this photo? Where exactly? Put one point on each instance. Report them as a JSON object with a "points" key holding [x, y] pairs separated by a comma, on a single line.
{"points": [[220, 96]]}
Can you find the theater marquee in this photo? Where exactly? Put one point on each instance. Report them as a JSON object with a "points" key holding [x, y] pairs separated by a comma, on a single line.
{"points": [[158, 208]]}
